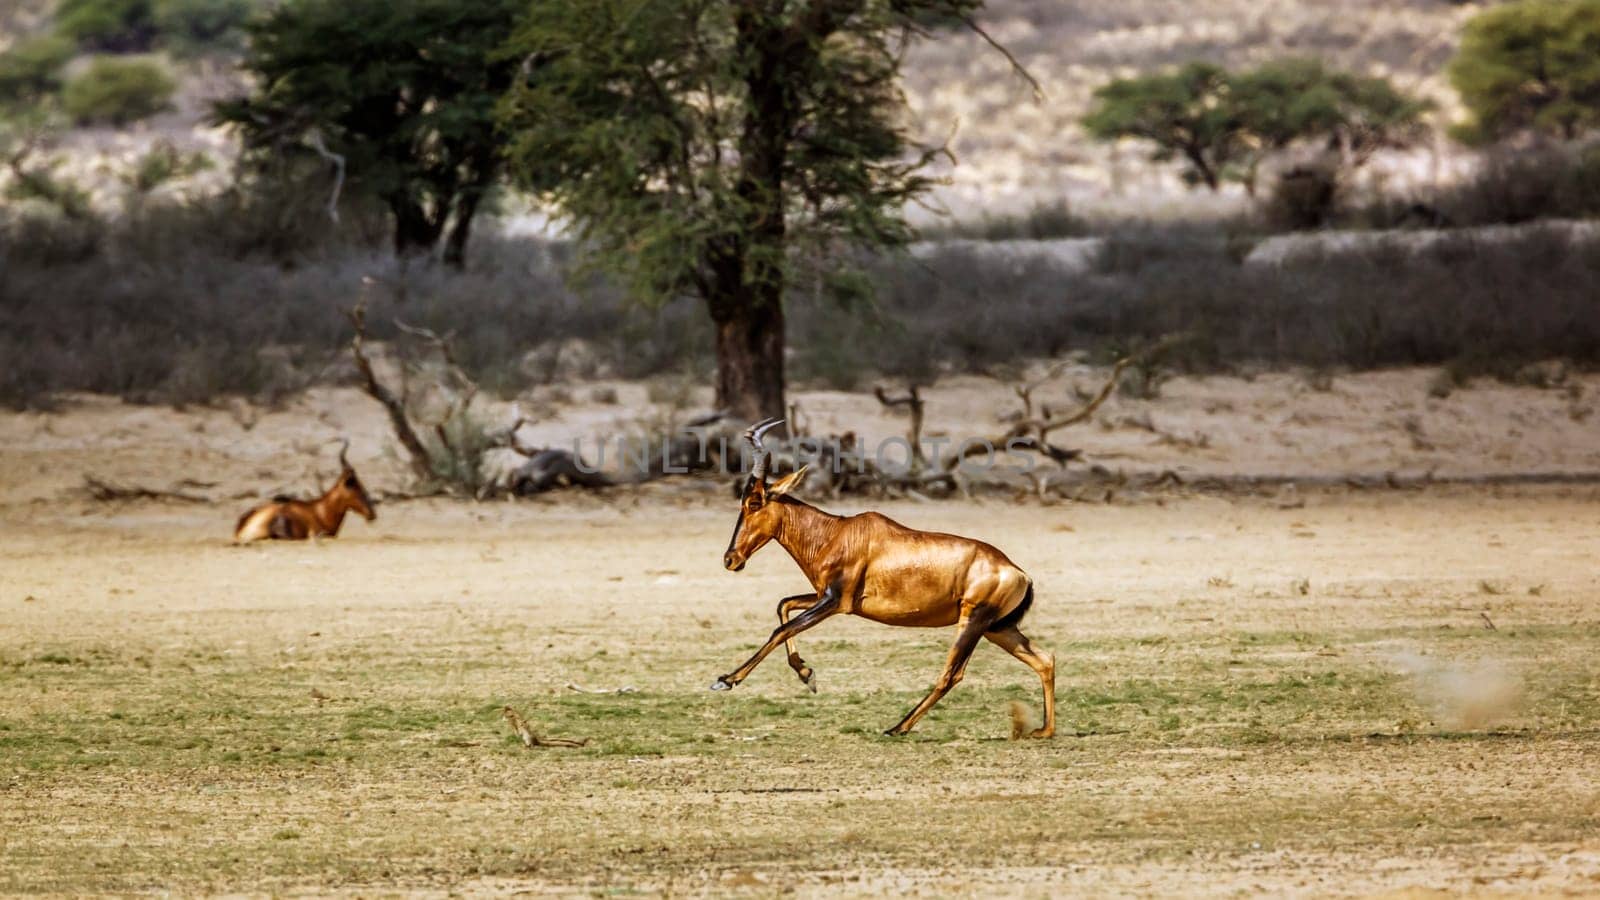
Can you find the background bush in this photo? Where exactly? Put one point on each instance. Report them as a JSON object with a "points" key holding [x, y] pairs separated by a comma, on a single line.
{"points": [[1303, 197], [179, 304], [112, 26], [194, 26], [116, 91], [31, 69]]}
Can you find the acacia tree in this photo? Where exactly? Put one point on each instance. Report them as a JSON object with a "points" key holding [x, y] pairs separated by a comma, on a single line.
{"points": [[710, 148], [400, 93], [1533, 65], [1280, 104], [1184, 114], [1225, 124]]}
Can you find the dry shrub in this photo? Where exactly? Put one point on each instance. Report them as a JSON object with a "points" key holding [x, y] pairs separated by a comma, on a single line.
{"points": [[180, 306], [1517, 184], [1303, 197]]}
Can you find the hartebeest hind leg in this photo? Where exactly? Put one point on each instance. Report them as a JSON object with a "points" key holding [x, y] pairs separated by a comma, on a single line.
{"points": [[826, 605], [1016, 643], [969, 631], [786, 607]]}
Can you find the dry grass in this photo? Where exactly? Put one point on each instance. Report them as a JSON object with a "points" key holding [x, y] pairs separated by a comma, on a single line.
{"points": [[179, 715]]}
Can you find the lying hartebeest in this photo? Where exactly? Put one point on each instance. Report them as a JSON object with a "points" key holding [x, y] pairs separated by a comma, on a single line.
{"points": [[872, 566], [286, 518]]}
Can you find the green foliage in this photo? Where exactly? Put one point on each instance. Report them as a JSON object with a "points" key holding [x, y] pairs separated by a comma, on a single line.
{"points": [[710, 148], [640, 126], [41, 184], [1184, 114], [1224, 125], [163, 163], [1293, 100], [116, 91], [403, 91], [31, 70], [113, 26], [1531, 65], [198, 25]]}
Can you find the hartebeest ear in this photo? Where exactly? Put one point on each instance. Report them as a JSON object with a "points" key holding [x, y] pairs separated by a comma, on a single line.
{"points": [[788, 482]]}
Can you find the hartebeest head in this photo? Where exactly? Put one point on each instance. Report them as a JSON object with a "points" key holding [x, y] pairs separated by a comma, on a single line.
{"points": [[760, 512], [348, 491]]}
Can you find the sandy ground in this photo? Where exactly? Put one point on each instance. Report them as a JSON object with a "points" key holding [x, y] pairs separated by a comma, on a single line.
{"points": [[1260, 694], [1278, 425]]}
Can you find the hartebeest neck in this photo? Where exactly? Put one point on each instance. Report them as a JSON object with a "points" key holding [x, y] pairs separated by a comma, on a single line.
{"points": [[804, 531], [330, 510]]}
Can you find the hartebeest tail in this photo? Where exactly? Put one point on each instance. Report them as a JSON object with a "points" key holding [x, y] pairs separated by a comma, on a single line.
{"points": [[871, 566], [286, 518]]}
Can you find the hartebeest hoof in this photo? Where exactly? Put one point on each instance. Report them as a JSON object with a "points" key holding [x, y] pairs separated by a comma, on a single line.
{"points": [[809, 679], [721, 684], [1042, 733]]}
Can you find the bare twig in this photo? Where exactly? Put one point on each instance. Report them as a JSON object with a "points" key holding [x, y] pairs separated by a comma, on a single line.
{"points": [[1025, 390], [1044, 427], [337, 160], [912, 400], [1017, 67]]}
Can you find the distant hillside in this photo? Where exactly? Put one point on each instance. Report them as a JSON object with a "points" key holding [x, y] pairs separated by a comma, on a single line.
{"points": [[1015, 152]]}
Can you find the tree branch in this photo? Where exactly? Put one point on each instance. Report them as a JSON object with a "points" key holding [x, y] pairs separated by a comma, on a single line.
{"points": [[1017, 67], [420, 459]]}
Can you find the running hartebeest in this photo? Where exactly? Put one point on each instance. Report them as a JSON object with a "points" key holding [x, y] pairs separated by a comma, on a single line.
{"points": [[872, 566], [286, 518]]}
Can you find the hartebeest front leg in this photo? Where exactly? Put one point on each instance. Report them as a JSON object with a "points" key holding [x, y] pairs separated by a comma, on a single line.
{"points": [[787, 607], [826, 605], [969, 631]]}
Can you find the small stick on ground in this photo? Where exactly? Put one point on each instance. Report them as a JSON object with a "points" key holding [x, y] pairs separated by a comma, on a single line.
{"points": [[625, 689], [1488, 622], [529, 739]]}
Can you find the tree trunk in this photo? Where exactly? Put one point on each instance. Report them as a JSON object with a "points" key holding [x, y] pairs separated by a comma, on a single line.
{"points": [[750, 358], [1197, 159], [455, 244], [415, 232]]}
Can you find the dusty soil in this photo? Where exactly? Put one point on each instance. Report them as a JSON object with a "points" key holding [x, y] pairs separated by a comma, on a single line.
{"points": [[1367, 425], [1313, 692]]}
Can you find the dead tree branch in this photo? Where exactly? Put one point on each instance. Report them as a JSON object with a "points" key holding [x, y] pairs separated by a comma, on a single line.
{"points": [[1017, 67], [911, 400], [421, 460], [337, 161]]}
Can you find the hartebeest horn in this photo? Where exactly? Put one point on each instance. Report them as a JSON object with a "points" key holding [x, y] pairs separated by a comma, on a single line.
{"points": [[758, 470], [344, 463]]}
